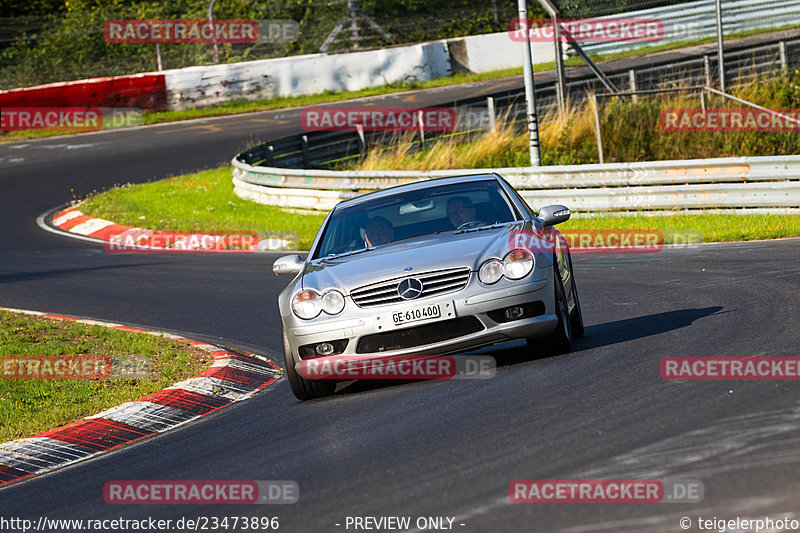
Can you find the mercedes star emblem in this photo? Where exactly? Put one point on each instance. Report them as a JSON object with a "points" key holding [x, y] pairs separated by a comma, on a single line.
{"points": [[409, 288]]}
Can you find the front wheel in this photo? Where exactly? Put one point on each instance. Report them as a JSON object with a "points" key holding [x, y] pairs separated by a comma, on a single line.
{"points": [[560, 339], [304, 389], [577, 316]]}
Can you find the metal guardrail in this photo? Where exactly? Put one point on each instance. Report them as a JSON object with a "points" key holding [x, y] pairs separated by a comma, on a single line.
{"points": [[755, 184], [696, 20], [725, 184], [476, 115]]}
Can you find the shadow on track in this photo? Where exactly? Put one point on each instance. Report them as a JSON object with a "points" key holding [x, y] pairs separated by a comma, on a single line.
{"points": [[597, 335]]}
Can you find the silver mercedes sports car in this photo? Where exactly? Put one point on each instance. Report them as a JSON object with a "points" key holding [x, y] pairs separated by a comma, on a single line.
{"points": [[429, 268]]}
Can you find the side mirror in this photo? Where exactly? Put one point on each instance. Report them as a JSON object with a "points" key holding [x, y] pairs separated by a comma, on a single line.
{"points": [[288, 264], [554, 214]]}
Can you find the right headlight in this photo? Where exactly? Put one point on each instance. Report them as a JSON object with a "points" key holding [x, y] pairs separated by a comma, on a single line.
{"points": [[309, 303]]}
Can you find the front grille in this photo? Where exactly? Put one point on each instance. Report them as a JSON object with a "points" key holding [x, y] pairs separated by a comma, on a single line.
{"points": [[419, 335], [433, 283]]}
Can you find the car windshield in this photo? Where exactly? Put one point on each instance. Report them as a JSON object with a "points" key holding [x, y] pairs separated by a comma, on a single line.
{"points": [[412, 214]]}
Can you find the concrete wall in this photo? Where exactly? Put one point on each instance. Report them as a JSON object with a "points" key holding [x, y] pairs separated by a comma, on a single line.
{"points": [[494, 51], [287, 76], [305, 75]]}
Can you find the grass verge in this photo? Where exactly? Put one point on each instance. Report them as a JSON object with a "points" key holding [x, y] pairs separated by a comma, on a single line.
{"points": [[30, 406], [205, 201], [712, 227]]}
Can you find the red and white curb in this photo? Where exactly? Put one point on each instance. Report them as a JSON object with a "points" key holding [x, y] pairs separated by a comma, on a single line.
{"points": [[233, 377], [76, 223]]}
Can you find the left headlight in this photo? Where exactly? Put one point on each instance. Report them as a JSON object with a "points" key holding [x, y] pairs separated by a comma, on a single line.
{"points": [[517, 264], [308, 304], [332, 302], [491, 271]]}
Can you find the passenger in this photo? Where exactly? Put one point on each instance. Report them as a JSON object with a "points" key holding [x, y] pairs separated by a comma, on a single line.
{"points": [[378, 231]]}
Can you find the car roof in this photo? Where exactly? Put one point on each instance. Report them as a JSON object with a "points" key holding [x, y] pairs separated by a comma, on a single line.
{"points": [[416, 186]]}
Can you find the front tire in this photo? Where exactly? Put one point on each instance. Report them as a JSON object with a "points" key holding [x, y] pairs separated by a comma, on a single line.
{"points": [[577, 315], [304, 389], [560, 340]]}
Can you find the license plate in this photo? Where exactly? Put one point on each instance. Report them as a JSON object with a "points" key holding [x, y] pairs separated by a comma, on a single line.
{"points": [[420, 313]]}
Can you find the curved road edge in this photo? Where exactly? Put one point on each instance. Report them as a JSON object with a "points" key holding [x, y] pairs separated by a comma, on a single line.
{"points": [[234, 376], [67, 220]]}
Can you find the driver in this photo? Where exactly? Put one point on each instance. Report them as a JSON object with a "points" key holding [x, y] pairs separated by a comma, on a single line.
{"points": [[460, 211], [378, 231]]}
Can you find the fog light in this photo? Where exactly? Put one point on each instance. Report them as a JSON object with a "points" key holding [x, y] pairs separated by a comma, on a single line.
{"points": [[513, 313], [324, 348]]}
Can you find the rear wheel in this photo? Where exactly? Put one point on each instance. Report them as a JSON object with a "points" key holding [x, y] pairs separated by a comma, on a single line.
{"points": [[304, 389]]}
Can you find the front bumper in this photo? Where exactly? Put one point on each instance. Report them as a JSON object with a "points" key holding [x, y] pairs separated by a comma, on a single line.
{"points": [[476, 323]]}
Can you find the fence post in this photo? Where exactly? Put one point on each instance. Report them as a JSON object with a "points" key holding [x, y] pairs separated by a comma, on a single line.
{"points": [[158, 57], [632, 78], [421, 128], [782, 52], [362, 140], [490, 110], [597, 134], [306, 157], [270, 155], [707, 67]]}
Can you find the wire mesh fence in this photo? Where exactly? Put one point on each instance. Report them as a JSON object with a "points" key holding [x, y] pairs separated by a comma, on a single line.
{"points": [[71, 45]]}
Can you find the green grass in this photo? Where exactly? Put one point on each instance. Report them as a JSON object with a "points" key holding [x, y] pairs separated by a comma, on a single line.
{"points": [[700, 228], [203, 201], [30, 406]]}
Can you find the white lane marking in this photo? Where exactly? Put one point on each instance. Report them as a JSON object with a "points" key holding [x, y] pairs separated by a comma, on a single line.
{"points": [[147, 415], [98, 323], [215, 387], [90, 226], [37, 454], [66, 216], [40, 221]]}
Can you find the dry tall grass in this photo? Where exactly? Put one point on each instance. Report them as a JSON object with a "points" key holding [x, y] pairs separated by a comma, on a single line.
{"points": [[631, 132]]}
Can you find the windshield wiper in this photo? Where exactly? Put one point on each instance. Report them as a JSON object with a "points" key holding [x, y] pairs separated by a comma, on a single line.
{"points": [[345, 254]]}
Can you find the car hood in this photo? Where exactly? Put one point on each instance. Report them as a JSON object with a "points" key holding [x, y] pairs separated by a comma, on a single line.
{"points": [[432, 252]]}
